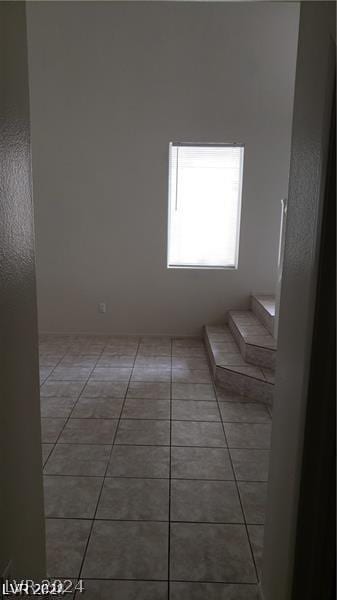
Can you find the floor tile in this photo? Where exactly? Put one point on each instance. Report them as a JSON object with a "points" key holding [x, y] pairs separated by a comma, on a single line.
{"points": [[139, 461], [51, 429], [71, 497], [250, 465], [49, 360], [192, 391], [78, 459], [254, 500], [61, 389], [191, 376], [70, 373], [111, 374], [79, 359], [190, 362], [146, 409], [89, 431], [187, 342], [205, 501], [97, 408], [226, 396], [190, 410], [188, 351], [116, 360], [153, 362], [220, 348], [56, 407], [265, 341], [244, 412], [156, 391], [155, 340], [121, 349], [228, 359], [44, 373], [269, 375], [209, 552], [129, 543], [213, 591], [197, 433], [46, 450], [154, 350], [153, 433], [242, 435], [59, 592], [127, 550], [66, 540], [250, 371], [123, 590], [153, 375], [201, 463], [134, 499], [256, 536], [225, 346], [104, 389]]}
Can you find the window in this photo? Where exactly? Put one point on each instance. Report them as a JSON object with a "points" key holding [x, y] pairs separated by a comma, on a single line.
{"points": [[205, 183]]}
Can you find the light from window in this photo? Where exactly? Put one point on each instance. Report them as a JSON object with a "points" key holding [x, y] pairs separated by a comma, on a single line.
{"points": [[205, 184]]}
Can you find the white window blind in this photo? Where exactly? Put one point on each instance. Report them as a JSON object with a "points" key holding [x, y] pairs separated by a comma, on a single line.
{"points": [[205, 184]]}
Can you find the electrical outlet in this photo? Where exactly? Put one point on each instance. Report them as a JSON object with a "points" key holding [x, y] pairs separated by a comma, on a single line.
{"points": [[102, 307]]}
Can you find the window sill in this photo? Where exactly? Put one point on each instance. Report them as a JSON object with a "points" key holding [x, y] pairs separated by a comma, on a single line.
{"points": [[204, 267]]}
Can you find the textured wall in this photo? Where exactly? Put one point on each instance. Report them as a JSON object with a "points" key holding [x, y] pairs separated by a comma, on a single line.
{"points": [[312, 110], [22, 523], [112, 83]]}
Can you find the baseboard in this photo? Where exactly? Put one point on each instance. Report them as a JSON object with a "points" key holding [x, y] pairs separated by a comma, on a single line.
{"points": [[114, 333]]}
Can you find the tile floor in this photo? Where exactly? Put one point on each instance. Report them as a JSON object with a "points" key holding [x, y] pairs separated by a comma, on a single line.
{"points": [[155, 481]]}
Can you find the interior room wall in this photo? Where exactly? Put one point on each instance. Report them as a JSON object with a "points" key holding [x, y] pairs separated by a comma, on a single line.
{"points": [[310, 144], [22, 540], [112, 83]]}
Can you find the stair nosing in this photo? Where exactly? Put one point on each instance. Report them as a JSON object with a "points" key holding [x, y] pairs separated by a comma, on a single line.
{"points": [[260, 346], [258, 297], [217, 365], [243, 338], [227, 368]]}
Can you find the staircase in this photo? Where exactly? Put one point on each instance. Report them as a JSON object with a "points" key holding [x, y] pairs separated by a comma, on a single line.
{"points": [[243, 352]]}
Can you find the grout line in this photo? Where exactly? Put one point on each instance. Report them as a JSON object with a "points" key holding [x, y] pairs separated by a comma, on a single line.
{"points": [[44, 462], [181, 522], [83, 386], [200, 479], [170, 478], [106, 469], [67, 419], [185, 420], [239, 496], [159, 445]]}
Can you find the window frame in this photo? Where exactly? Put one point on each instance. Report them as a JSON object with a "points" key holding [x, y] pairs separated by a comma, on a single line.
{"points": [[173, 145]]}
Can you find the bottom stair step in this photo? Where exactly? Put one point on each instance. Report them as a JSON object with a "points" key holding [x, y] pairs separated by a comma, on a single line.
{"points": [[232, 372]]}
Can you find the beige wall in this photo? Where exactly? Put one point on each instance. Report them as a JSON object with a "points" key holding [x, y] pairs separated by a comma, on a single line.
{"points": [[312, 112], [112, 83], [21, 512]]}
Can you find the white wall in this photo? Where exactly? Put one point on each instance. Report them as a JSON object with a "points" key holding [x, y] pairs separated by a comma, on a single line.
{"points": [[112, 84]]}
